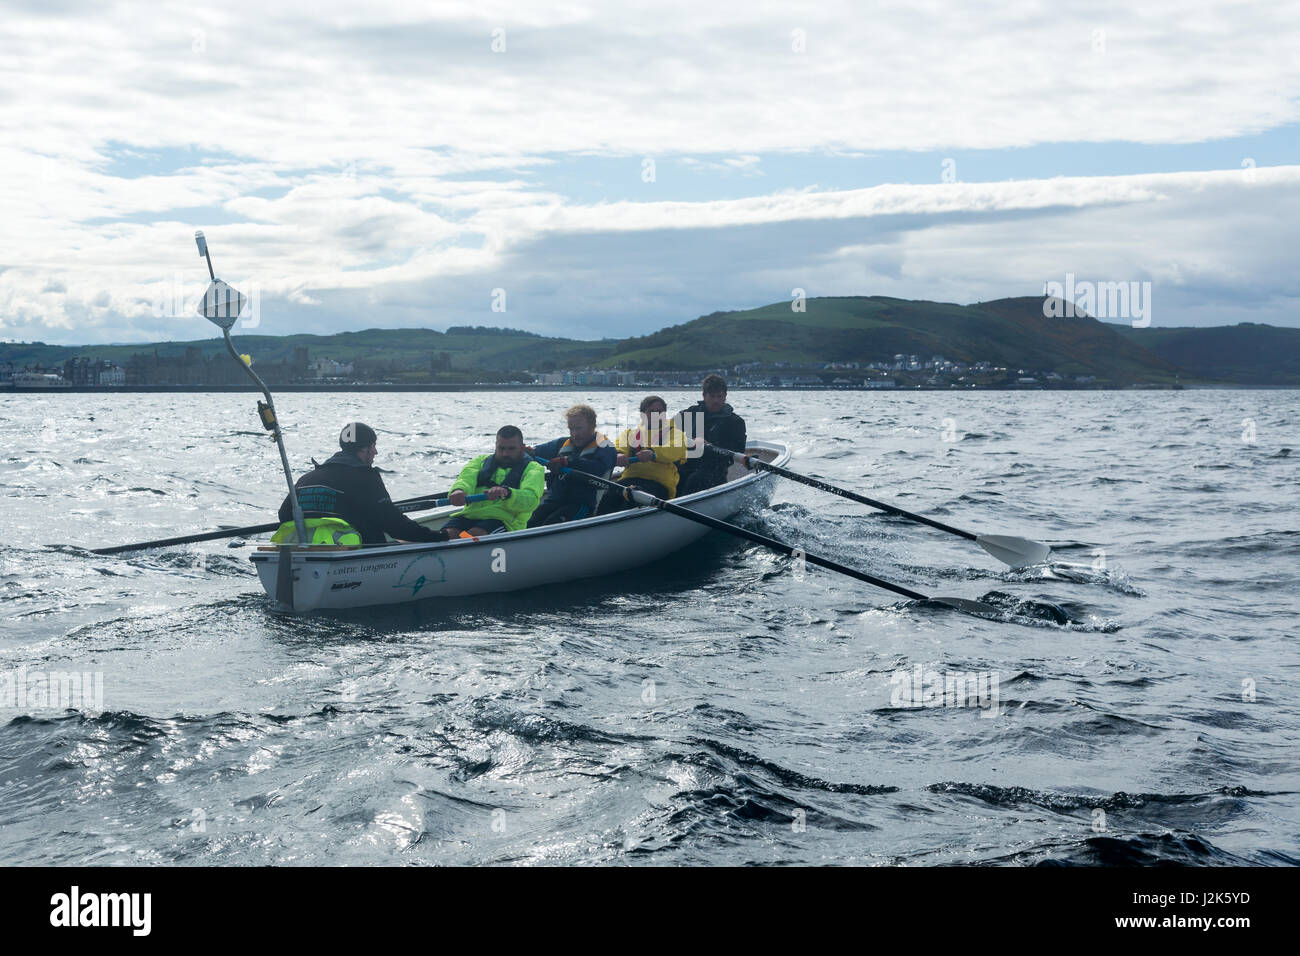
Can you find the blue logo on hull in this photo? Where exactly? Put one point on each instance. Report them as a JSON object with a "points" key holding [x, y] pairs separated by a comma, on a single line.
{"points": [[420, 572]]}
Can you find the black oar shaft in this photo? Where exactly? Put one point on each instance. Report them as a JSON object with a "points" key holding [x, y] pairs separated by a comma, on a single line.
{"points": [[405, 505], [754, 536], [784, 548], [187, 539], [641, 497], [754, 462]]}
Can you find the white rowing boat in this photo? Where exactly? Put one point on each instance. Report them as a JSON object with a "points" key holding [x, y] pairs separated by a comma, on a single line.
{"points": [[308, 579]]}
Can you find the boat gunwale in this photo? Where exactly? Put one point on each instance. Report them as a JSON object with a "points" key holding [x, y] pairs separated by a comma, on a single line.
{"points": [[781, 449]]}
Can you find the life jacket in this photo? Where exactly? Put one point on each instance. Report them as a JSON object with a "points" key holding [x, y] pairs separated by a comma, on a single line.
{"points": [[559, 484], [670, 447], [643, 437], [332, 531], [490, 466], [597, 442]]}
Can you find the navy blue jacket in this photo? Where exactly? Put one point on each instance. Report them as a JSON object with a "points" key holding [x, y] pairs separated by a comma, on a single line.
{"points": [[596, 459]]}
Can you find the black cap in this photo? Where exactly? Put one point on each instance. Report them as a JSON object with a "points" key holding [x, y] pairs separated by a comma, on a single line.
{"points": [[356, 436]]}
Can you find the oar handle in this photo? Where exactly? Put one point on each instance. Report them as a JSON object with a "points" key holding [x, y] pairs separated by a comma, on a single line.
{"points": [[750, 461], [446, 501], [645, 498]]}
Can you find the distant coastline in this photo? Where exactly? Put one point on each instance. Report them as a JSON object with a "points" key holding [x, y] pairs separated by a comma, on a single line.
{"points": [[634, 389], [839, 343]]}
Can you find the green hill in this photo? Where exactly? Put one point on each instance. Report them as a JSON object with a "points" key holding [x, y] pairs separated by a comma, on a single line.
{"points": [[467, 348], [1247, 353], [1013, 333], [1010, 332]]}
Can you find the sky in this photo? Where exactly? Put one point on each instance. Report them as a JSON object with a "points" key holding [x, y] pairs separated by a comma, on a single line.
{"points": [[605, 170]]}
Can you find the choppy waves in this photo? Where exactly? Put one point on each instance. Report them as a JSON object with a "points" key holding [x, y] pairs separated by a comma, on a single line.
{"points": [[724, 706]]}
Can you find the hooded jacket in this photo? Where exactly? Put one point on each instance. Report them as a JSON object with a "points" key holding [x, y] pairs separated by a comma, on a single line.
{"points": [[344, 487]]}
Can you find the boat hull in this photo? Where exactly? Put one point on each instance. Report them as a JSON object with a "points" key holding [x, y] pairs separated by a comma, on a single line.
{"points": [[511, 561]]}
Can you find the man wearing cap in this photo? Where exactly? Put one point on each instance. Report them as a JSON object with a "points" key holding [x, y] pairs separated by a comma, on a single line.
{"points": [[344, 501]]}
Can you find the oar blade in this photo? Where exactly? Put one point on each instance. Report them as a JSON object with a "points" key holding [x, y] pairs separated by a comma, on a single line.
{"points": [[1022, 609], [1013, 551], [1010, 550], [967, 606]]}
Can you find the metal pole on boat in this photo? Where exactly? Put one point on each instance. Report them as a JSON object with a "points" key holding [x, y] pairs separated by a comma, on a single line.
{"points": [[221, 306]]}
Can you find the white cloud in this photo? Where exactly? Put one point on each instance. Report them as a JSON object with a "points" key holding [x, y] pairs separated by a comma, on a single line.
{"points": [[343, 159], [745, 165], [619, 268]]}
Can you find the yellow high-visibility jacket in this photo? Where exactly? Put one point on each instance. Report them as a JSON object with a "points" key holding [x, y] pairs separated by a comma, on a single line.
{"points": [[516, 509], [669, 446]]}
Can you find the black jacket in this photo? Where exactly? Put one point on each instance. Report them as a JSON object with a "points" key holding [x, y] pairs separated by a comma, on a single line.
{"points": [[345, 488], [724, 428]]}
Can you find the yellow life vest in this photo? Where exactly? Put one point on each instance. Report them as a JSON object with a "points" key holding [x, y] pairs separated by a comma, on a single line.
{"points": [[333, 531]]}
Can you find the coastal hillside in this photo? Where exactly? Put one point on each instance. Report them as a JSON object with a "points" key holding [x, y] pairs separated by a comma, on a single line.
{"points": [[1246, 354], [459, 353], [863, 333], [1008, 332]]}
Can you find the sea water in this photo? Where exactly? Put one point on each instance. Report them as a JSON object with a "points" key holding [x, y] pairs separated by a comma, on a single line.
{"points": [[725, 705]]}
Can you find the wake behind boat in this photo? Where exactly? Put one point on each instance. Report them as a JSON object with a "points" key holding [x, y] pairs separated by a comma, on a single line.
{"points": [[307, 579]]}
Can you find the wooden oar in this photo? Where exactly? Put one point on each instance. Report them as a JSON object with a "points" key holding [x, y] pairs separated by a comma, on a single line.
{"points": [[422, 503], [644, 498], [1010, 550]]}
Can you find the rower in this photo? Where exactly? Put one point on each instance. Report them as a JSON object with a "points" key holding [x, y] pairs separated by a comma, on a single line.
{"points": [[713, 421], [583, 449], [513, 485], [344, 501], [650, 453]]}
